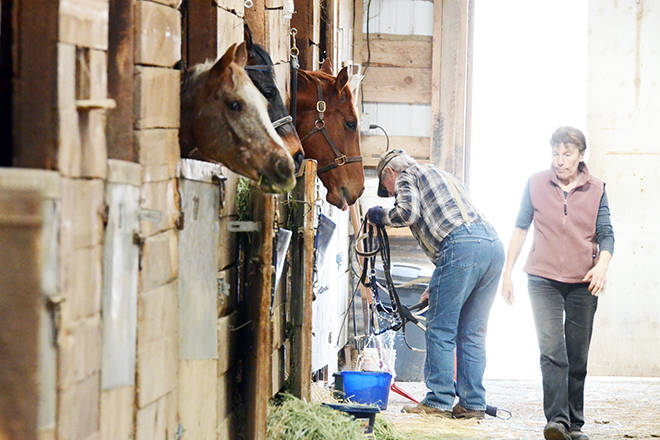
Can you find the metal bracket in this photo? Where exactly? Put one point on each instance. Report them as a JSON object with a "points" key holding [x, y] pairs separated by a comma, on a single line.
{"points": [[245, 226], [220, 180]]}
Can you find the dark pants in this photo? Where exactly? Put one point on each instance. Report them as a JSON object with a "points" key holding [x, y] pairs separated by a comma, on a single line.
{"points": [[564, 316]]}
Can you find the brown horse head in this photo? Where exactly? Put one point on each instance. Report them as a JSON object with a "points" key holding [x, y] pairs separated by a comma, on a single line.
{"points": [[260, 70], [328, 123], [224, 119]]}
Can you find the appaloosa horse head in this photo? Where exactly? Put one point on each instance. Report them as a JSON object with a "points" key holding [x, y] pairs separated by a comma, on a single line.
{"points": [[224, 119], [327, 121], [260, 70]]}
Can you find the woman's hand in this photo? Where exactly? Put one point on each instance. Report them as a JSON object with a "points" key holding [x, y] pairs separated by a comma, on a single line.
{"points": [[597, 278], [425, 296], [507, 289]]}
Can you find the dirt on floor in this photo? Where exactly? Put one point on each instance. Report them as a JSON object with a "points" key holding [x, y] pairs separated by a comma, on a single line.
{"points": [[615, 408]]}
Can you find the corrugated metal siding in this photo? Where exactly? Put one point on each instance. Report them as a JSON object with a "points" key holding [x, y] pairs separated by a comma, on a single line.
{"points": [[403, 17], [397, 119]]}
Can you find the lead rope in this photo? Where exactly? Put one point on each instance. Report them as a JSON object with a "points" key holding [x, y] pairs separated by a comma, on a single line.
{"points": [[294, 65]]}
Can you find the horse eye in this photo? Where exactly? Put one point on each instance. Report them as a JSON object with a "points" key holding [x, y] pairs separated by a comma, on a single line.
{"points": [[235, 106], [351, 125]]}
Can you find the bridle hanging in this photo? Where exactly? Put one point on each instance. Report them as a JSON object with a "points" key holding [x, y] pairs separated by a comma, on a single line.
{"points": [[319, 126]]}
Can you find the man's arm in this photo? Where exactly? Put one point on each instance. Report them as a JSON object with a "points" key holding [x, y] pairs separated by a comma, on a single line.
{"points": [[406, 206]]}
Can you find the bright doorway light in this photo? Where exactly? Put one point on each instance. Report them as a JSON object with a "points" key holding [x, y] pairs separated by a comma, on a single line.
{"points": [[529, 77]]}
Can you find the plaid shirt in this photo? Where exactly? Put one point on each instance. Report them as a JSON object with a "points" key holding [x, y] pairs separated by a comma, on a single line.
{"points": [[425, 203]]}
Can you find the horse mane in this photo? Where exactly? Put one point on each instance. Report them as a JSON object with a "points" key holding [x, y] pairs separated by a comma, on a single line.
{"points": [[191, 77]]}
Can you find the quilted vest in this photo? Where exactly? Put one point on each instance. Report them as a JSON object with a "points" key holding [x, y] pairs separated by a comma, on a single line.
{"points": [[564, 247]]}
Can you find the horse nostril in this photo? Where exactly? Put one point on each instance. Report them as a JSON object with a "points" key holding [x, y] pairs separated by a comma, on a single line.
{"points": [[298, 158], [283, 168]]}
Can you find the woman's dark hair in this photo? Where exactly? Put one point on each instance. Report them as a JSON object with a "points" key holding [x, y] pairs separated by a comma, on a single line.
{"points": [[569, 135]]}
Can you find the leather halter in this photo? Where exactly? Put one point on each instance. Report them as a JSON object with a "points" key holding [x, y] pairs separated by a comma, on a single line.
{"points": [[319, 126], [269, 69]]}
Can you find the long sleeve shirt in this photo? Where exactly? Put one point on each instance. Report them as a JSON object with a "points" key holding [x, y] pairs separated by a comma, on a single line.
{"points": [[425, 202]]}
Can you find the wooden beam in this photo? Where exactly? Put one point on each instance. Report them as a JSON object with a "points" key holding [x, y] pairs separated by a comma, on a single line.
{"points": [[391, 84], [358, 15], [201, 33], [259, 357], [302, 284], [36, 87], [389, 50], [449, 105], [121, 83], [307, 19], [373, 146]]}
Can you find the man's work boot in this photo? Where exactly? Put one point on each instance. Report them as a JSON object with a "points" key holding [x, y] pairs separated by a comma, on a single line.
{"points": [[420, 408], [555, 431], [463, 413], [577, 434]]}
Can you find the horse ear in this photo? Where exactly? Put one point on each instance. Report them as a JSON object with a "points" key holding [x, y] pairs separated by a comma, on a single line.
{"points": [[342, 78], [240, 56], [217, 74], [247, 35], [326, 66], [224, 62]]}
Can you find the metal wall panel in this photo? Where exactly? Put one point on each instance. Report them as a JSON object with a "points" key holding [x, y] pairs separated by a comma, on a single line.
{"points": [[397, 119], [198, 264], [403, 17], [120, 285]]}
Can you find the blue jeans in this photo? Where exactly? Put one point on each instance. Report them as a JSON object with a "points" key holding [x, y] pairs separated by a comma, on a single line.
{"points": [[564, 317], [462, 290]]}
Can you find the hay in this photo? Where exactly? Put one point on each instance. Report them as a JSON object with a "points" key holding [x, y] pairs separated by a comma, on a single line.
{"points": [[294, 419], [383, 430]]}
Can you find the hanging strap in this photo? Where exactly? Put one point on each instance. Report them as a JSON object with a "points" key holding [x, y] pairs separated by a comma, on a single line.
{"points": [[293, 63]]}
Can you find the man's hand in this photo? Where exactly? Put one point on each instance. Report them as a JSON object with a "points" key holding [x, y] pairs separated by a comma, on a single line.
{"points": [[425, 296], [376, 215], [507, 289]]}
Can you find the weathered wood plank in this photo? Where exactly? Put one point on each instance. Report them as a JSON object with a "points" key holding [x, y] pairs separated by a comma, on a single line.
{"points": [[121, 81], [159, 262], [302, 288], [230, 29], [163, 198], [157, 98], [82, 211], [78, 414], [35, 112], [157, 34], [397, 50], [450, 65], [391, 84], [307, 20], [158, 153], [201, 33], [158, 420], [259, 356], [84, 23], [373, 146], [227, 340], [226, 383], [198, 387], [156, 369], [81, 281], [117, 413], [20, 295]]}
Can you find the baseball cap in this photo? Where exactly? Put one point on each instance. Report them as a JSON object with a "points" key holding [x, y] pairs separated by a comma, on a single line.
{"points": [[385, 159]]}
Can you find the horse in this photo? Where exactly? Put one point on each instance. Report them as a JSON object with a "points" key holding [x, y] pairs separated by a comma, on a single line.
{"points": [[327, 121], [259, 68], [224, 119]]}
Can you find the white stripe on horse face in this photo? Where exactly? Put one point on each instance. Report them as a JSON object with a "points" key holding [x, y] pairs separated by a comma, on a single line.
{"points": [[251, 94]]}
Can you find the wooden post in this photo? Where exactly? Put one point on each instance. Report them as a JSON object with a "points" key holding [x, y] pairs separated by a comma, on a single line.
{"points": [[306, 19], [302, 281], [452, 20], [201, 33], [120, 81], [35, 84], [20, 295], [260, 355]]}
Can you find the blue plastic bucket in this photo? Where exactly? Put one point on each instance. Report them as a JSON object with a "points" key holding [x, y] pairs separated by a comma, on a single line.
{"points": [[367, 387]]}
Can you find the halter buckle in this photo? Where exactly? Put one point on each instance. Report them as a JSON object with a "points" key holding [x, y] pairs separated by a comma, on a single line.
{"points": [[341, 160], [320, 106], [319, 124]]}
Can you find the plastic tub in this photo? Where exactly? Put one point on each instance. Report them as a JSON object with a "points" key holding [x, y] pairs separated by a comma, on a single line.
{"points": [[367, 387]]}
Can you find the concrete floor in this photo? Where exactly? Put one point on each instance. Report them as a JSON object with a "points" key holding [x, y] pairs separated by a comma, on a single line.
{"points": [[615, 408]]}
